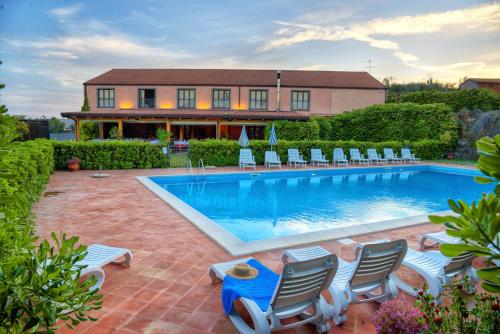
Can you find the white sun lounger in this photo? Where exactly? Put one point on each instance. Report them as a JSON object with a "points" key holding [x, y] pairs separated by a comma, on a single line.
{"points": [[297, 292], [406, 155], [100, 255], [358, 157], [372, 269], [246, 158], [317, 157], [339, 157], [295, 158], [373, 156], [391, 156], [272, 159]]}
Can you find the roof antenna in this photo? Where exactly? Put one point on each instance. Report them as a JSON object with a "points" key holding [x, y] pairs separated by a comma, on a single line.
{"points": [[369, 66]]}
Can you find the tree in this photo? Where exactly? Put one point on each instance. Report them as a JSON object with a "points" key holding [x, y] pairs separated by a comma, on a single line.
{"points": [[89, 130], [56, 125], [478, 224], [8, 125]]}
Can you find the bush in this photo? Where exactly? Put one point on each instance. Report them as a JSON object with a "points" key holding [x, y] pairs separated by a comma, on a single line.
{"points": [[89, 130], [109, 154], [290, 130], [399, 317], [483, 99], [25, 168], [226, 153]]}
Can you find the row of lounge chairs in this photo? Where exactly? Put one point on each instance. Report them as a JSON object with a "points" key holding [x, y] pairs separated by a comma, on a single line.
{"points": [[272, 159], [308, 272]]}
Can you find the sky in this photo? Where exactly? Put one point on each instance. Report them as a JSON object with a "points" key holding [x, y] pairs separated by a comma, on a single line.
{"points": [[50, 47]]}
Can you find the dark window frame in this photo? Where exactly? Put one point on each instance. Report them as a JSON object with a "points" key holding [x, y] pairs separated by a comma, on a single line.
{"points": [[213, 98], [194, 98], [99, 103], [250, 99], [308, 100], [139, 98]]}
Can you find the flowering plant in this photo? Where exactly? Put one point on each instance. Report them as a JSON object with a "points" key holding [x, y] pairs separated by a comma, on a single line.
{"points": [[398, 316], [463, 313]]}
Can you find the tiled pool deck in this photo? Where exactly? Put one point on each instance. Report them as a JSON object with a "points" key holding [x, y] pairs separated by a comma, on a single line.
{"points": [[167, 288]]}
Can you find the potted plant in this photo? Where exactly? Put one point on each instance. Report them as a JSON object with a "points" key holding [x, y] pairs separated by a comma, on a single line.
{"points": [[451, 155], [73, 164]]}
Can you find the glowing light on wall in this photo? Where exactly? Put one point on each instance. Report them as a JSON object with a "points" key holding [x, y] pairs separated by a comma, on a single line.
{"points": [[202, 105], [126, 105], [166, 105], [240, 107]]}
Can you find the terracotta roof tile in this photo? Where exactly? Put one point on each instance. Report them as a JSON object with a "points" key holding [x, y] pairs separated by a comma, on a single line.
{"points": [[485, 80], [227, 77]]}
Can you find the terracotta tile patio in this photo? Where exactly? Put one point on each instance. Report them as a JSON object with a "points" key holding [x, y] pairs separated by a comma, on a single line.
{"points": [[167, 288]]}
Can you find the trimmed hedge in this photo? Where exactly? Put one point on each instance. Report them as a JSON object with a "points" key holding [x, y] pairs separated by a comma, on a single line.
{"points": [[109, 154], [295, 130], [483, 99], [25, 168], [226, 153]]}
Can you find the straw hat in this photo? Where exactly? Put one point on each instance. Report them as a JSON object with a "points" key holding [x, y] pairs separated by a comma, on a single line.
{"points": [[242, 271]]}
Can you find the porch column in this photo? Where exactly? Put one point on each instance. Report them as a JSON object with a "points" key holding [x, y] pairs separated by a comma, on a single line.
{"points": [[181, 132], [120, 128], [217, 130], [167, 126], [101, 130], [77, 129]]}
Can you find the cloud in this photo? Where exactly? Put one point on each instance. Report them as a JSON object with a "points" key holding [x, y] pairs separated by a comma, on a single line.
{"points": [[62, 14]]}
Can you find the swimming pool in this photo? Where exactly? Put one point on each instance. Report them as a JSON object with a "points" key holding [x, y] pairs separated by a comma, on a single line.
{"points": [[264, 206]]}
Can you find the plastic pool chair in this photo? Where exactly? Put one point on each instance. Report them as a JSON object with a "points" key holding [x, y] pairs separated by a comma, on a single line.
{"points": [[100, 255], [373, 156], [317, 157], [295, 158], [391, 156], [358, 157], [406, 155], [246, 158], [298, 291], [272, 159], [339, 157], [372, 269]]}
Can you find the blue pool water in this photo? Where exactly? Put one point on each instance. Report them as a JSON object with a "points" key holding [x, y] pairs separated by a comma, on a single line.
{"points": [[255, 206]]}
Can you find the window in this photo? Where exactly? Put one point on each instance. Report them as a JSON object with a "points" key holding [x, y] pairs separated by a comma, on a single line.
{"points": [[221, 99], [186, 99], [106, 98], [300, 100], [258, 99], [147, 98]]}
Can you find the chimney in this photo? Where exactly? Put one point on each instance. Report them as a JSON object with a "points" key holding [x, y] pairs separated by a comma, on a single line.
{"points": [[278, 83]]}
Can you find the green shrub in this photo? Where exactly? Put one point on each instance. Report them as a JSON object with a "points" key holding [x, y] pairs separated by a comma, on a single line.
{"points": [[483, 99], [25, 168], [226, 153], [292, 130], [109, 154], [89, 130]]}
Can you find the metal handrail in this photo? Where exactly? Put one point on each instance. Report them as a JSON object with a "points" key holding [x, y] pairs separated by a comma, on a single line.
{"points": [[201, 167], [189, 167]]}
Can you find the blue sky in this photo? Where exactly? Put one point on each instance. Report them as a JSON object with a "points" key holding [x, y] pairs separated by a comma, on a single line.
{"points": [[49, 48]]}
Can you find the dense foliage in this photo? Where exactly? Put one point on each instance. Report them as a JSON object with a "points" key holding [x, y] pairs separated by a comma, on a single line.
{"points": [[89, 130], [56, 125], [398, 316], [483, 99], [290, 130], [109, 154], [478, 224], [226, 153]]}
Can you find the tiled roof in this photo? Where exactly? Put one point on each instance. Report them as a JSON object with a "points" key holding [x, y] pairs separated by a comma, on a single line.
{"points": [[191, 113], [225, 77], [485, 80]]}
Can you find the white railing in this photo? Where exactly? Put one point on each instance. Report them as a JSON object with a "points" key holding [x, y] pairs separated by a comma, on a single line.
{"points": [[201, 167]]}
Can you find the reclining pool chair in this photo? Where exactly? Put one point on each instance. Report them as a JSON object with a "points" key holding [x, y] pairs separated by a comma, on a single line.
{"points": [[272, 159], [406, 155], [295, 158], [391, 156], [373, 156], [339, 157], [372, 269], [298, 290], [100, 255], [246, 158], [358, 157], [317, 157]]}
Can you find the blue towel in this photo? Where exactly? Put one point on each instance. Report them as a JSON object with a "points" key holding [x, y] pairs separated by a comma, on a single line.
{"points": [[260, 289]]}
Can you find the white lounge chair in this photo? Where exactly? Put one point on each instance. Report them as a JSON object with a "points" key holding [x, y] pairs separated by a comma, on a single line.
{"points": [[272, 159], [373, 156], [100, 255], [295, 158], [339, 157], [406, 155], [298, 290], [358, 157], [246, 158], [317, 157], [391, 156], [372, 269]]}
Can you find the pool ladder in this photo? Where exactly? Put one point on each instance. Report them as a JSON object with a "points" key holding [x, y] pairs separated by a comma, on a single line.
{"points": [[201, 167]]}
